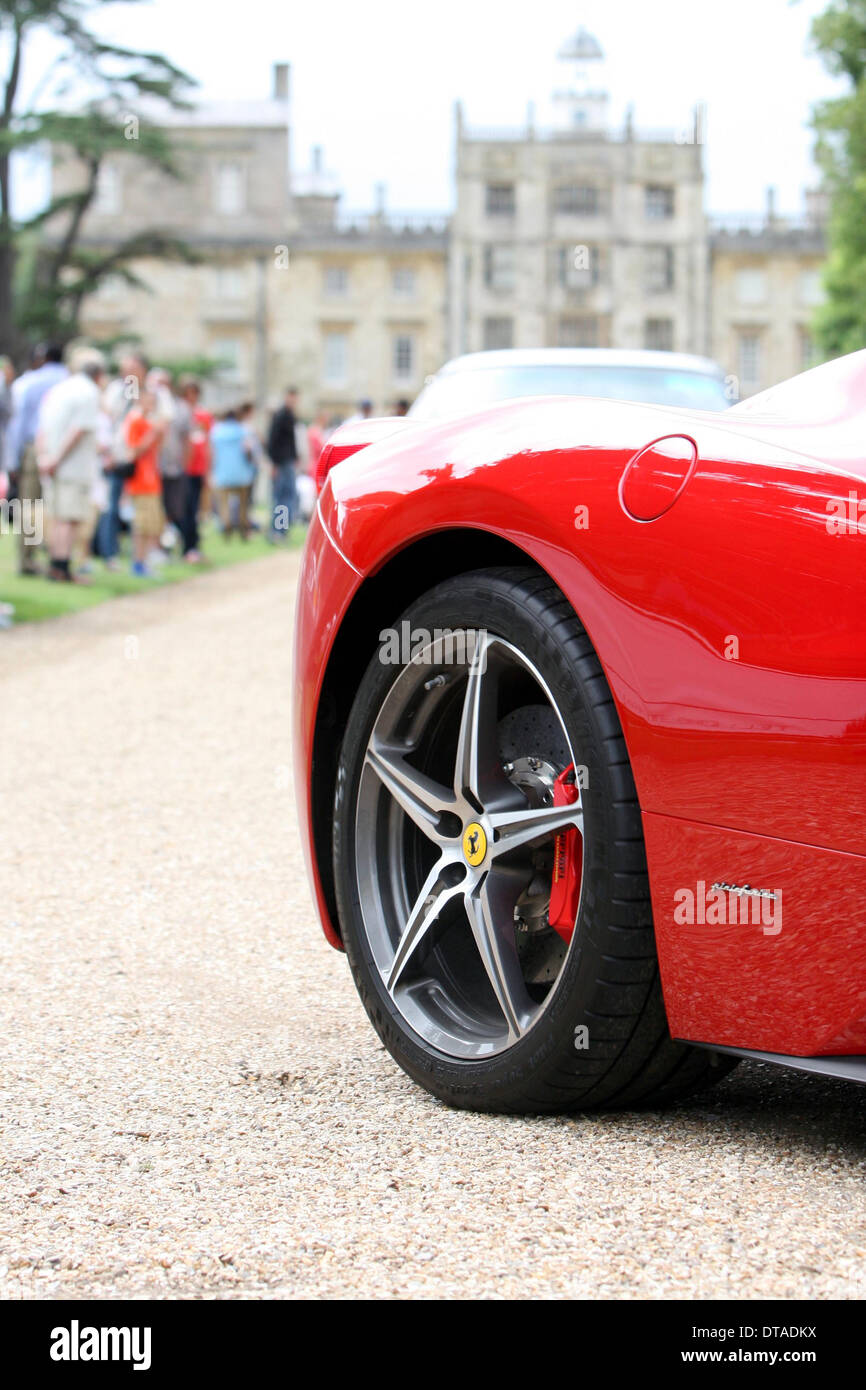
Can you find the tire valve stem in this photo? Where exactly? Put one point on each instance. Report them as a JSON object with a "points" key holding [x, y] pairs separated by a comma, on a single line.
{"points": [[435, 682]]}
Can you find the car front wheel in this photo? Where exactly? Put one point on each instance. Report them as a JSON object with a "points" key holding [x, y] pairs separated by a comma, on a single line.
{"points": [[489, 861]]}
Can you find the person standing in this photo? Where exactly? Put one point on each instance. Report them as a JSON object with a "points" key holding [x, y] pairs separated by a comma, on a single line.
{"points": [[283, 452], [173, 458], [123, 396], [364, 412], [143, 430], [232, 473], [7, 376], [67, 453], [197, 467], [253, 448], [21, 439]]}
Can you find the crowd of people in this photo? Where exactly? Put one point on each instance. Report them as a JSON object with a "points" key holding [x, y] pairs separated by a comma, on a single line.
{"points": [[137, 452]]}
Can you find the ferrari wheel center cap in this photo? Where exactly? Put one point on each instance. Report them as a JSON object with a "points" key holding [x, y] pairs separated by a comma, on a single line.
{"points": [[474, 844]]}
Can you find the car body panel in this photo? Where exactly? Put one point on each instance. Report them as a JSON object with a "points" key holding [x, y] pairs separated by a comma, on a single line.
{"points": [[325, 589], [730, 630]]}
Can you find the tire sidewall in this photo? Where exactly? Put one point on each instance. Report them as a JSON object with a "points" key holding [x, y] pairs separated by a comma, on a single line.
{"points": [[485, 601]]}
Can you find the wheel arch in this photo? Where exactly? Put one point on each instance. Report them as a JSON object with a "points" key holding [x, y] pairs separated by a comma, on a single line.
{"points": [[378, 602]]}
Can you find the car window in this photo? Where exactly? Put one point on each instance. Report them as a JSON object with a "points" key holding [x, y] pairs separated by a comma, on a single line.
{"points": [[455, 393]]}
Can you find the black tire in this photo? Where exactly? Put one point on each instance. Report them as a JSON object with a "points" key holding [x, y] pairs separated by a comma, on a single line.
{"points": [[609, 981]]}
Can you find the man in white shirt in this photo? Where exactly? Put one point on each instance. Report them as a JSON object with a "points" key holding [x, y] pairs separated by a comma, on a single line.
{"points": [[67, 452]]}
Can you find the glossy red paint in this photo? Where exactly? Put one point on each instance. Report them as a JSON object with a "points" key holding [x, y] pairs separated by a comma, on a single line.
{"points": [[348, 439], [731, 633], [656, 476], [325, 589]]}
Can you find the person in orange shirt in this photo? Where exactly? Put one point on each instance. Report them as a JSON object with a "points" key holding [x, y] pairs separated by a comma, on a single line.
{"points": [[143, 430]]}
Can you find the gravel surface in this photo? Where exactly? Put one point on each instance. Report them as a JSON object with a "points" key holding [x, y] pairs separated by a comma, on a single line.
{"points": [[192, 1101]]}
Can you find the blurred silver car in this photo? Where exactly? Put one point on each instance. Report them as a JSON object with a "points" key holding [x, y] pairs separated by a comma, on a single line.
{"points": [[658, 378]]}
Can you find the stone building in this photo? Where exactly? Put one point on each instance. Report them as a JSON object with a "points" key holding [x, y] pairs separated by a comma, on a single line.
{"points": [[287, 290], [361, 308], [576, 235], [766, 283], [565, 233]]}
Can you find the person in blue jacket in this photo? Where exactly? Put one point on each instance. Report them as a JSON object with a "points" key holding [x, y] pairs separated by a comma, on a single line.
{"points": [[232, 473]]}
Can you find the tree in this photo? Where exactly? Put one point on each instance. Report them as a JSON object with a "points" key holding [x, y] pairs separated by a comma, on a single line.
{"points": [[87, 106], [839, 35]]}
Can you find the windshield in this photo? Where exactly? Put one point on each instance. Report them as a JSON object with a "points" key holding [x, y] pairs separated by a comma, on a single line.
{"points": [[456, 393]]}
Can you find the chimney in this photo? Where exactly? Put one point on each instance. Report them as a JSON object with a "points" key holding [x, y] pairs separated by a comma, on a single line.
{"points": [[380, 200], [771, 206], [281, 81], [317, 159]]}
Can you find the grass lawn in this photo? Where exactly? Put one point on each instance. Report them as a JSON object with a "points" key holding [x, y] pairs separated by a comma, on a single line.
{"points": [[35, 599]]}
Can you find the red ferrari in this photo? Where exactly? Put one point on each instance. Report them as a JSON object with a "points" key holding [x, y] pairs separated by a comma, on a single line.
{"points": [[580, 740]]}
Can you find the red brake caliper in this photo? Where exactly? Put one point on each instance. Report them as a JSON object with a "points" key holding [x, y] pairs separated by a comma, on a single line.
{"points": [[567, 862]]}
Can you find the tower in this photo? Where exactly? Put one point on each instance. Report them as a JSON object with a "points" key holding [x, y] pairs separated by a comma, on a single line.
{"points": [[581, 106]]}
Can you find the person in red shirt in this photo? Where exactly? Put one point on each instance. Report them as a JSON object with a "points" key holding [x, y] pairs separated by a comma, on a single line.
{"points": [[197, 468], [143, 429]]}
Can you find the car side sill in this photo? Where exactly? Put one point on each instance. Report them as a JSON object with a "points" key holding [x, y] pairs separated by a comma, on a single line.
{"points": [[844, 1068]]}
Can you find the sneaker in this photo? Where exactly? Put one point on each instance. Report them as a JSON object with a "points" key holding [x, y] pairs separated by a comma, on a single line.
{"points": [[140, 570]]}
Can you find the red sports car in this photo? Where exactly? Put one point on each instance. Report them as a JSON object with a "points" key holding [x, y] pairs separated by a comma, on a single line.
{"points": [[580, 740]]}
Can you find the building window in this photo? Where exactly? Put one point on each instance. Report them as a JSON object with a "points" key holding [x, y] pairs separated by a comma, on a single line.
{"points": [[500, 268], [811, 287], [659, 335], [578, 331], [227, 351], [403, 358], [228, 282], [658, 202], [578, 267], [229, 188], [659, 269], [749, 361], [336, 281], [403, 281], [751, 286], [335, 371], [577, 199], [107, 198], [500, 200], [498, 333]]}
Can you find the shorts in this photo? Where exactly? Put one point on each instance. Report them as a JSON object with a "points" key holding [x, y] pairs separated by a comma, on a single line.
{"points": [[148, 518], [66, 499]]}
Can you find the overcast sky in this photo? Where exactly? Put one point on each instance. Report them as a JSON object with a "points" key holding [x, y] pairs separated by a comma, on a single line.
{"points": [[375, 82]]}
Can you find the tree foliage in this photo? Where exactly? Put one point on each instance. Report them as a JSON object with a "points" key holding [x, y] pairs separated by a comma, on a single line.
{"points": [[87, 105], [839, 35]]}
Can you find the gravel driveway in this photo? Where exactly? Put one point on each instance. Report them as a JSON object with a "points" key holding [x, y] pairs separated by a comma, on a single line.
{"points": [[192, 1101]]}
